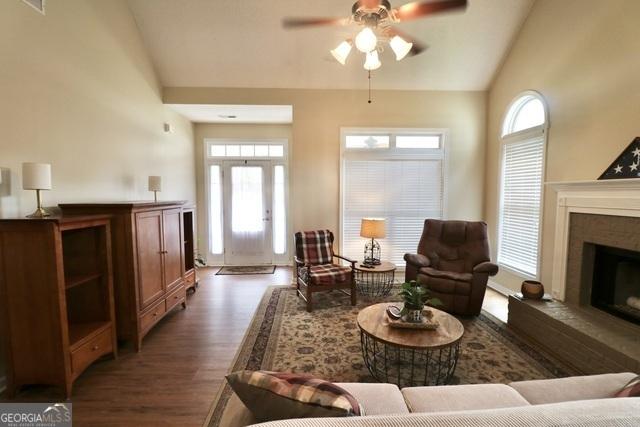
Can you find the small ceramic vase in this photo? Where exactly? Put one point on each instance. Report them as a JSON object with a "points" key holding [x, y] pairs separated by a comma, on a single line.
{"points": [[414, 316], [532, 289]]}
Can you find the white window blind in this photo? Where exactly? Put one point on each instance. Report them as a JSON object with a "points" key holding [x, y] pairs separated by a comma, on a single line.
{"points": [[404, 192], [519, 227]]}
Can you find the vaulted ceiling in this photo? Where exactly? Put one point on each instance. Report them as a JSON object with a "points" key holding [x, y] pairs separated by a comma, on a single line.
{"points": [[241, 43]]}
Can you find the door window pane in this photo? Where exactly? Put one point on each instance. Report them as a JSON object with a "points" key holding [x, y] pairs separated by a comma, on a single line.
{"points": [[276, 151], [418, 141], [246, 199], [233, 150], [262, 151], [279, 215], [215, 210], [218, 151], [247, 150]]}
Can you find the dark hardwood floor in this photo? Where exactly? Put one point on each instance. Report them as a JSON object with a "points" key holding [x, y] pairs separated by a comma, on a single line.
{"points": [[183, 361]]}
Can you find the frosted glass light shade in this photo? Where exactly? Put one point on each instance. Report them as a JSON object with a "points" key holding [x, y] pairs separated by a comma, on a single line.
{"points": [[373, 228], [366, 40], [155, 183], [400, 47], [341, 53], [373, 61], [36, 176]]}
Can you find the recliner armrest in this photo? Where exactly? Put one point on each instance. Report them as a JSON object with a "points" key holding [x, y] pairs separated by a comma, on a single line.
{"points": [[486, 267], [417, 260]]}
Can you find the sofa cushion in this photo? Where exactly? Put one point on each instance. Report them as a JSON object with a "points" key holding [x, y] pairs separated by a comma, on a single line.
{"points": [[572, 388], [461, 397], [275, 396], [376, 398], [632, 389], [592, 413]]}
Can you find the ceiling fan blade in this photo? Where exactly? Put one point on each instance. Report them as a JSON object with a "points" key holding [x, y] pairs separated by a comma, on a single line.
{"points": [[416, 49], [312, 22], [419, 9]]}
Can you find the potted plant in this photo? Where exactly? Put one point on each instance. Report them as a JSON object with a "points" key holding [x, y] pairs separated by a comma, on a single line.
{"points": [[415, 297]]}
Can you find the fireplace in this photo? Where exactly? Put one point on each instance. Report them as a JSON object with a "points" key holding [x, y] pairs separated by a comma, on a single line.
{"points": [[616, 282]]}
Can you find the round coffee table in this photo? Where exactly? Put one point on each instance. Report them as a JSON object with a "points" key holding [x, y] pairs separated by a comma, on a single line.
{"points": [[376, 281], [409, 357]]}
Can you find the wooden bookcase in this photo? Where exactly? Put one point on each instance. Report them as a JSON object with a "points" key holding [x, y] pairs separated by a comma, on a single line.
{"points": [[189, 221], [56, 280]]}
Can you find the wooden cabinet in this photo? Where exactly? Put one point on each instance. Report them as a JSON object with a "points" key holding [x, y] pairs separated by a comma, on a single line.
{"points": [[189, 232], [57, 293], [148, 254]]}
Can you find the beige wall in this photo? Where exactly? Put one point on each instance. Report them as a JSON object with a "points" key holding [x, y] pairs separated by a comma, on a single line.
{"points": [[78, 91], [581, 55], [204, 131], [315, 139]]}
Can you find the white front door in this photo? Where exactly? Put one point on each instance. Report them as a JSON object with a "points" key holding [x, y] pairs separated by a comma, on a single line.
{"points": [[247, 218]]}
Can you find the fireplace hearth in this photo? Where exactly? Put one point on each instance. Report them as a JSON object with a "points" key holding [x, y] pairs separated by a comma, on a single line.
{"points": [[616, 282]]}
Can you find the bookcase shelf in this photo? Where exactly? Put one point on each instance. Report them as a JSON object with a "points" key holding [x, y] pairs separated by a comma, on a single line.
{"points": [[81, 279]]}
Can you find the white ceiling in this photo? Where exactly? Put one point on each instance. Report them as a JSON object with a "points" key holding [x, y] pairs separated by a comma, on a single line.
{"points": [[272, 114], [233, 43]]}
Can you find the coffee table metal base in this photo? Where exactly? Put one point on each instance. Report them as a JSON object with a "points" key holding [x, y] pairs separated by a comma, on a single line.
{"points": [[408, 367]]}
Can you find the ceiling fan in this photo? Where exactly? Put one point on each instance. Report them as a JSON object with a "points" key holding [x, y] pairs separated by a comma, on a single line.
{"points": [[378, 19]]}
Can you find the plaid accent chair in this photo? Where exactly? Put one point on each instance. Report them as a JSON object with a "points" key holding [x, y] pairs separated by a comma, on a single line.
{"points": [[315, 270]]}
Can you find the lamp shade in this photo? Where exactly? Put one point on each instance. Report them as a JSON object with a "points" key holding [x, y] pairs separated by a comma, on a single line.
{"points": [[400, 47], [155, 183], [36, 176], [342, 52], [373, 228]]}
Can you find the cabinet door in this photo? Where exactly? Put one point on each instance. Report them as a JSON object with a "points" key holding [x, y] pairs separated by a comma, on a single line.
{"points": [[149, 245], [172, 235]]}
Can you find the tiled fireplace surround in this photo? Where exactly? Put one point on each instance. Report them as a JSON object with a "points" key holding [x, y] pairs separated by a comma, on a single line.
{"points": [[592, 341]]}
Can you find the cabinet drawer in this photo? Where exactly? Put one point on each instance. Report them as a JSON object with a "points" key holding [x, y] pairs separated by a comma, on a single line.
{"points": [[88, 352], [153, 315], [176, 297]]}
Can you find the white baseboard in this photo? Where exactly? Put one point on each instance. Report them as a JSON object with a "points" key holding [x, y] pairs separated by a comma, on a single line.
{"points": [[500, 289]]}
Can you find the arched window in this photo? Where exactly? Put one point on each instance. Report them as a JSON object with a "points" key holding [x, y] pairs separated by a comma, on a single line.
{"points": [[524, 133]]}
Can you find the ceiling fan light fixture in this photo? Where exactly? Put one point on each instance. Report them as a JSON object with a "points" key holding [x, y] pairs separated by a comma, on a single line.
{"points": [[366, 40], [341, 53], [400, 47], [373, 61]]}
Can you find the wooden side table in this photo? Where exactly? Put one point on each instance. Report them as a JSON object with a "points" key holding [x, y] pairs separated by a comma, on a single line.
{"points": [[376, 281], [409, 357]]}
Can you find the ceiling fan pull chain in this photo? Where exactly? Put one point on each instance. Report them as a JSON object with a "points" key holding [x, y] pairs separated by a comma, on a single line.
{"points": [[369, 86]]}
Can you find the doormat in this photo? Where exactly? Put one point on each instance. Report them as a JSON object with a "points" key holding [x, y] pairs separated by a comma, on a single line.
{"points": [[239, 270]]}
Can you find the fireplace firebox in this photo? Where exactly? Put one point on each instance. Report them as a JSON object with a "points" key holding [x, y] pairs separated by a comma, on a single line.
{"points": [[616, 282]]}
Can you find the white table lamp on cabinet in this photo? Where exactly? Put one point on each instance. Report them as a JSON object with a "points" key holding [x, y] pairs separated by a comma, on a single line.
{"points": [[37, 176], [155, 185]]}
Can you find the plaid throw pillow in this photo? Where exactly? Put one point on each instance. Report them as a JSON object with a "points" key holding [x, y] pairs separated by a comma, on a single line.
{"points": [[315, 247], [632, 389], [274, 396]]}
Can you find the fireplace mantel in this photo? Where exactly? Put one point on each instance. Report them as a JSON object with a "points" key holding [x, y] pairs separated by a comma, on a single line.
{"points": [[607, 197]]}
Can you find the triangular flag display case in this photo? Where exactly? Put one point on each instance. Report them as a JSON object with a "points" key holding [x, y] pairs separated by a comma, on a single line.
{"points": [[627, 165]]}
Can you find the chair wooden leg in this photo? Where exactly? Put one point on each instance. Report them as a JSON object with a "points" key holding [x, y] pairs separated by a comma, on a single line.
{"points": [[309, 300]]}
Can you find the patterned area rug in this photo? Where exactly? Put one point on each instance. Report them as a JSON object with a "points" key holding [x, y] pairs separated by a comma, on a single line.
{"points": [[242, 270], [326, 343]]}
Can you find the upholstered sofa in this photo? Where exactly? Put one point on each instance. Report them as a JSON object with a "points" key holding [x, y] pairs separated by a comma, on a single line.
{"points": [[573, 401]]}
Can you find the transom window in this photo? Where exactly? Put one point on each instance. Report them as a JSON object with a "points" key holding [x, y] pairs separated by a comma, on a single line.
{"points": [[521, 185], [246, 150]]}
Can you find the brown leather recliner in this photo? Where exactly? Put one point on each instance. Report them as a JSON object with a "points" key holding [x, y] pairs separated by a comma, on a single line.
{"points": [[453, 262]]}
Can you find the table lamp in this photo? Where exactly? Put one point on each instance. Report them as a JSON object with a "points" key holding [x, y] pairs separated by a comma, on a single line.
{"points": [[372, 228], [37, 176], [155, 185]]}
